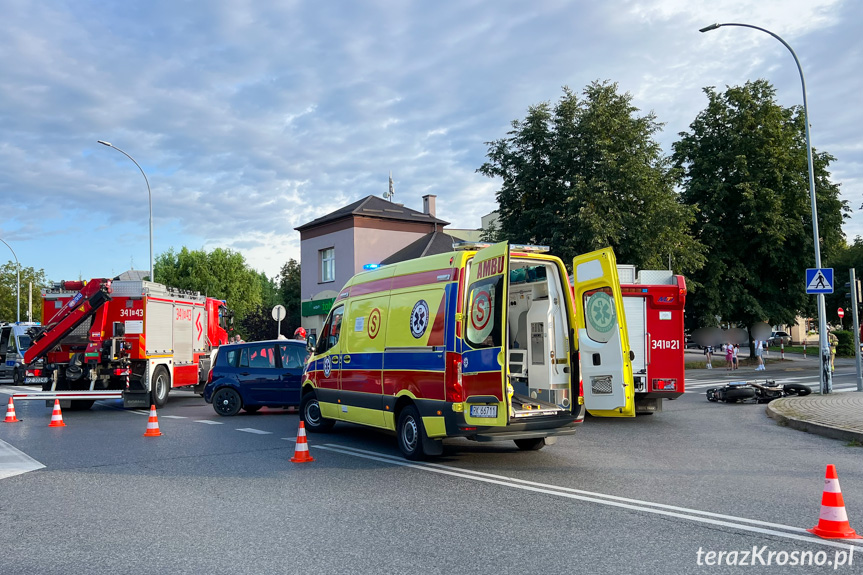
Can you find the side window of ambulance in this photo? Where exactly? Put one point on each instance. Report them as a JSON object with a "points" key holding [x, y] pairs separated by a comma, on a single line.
{"points": [[331, 330], [484, 312], [600, 315]]}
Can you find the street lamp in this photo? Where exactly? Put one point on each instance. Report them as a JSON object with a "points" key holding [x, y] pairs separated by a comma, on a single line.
{"points": [[826, 376], [149, 194], [18, 273]]}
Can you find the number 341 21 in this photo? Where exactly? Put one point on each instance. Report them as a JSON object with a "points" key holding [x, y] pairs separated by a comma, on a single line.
{"points": [[665, 344]]}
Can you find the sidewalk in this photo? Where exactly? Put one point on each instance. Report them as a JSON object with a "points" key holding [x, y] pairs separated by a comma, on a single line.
{"points": [[839, 416]]}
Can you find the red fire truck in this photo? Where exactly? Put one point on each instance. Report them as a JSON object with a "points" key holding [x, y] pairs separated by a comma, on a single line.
{"points": [[133, 340], [653, 302]]}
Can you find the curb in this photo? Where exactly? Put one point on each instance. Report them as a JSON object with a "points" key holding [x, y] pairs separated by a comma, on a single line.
{"points": [[812, 427]]}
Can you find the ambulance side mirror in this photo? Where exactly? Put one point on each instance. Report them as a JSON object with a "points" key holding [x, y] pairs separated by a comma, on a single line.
{"points": [[310, 343]]}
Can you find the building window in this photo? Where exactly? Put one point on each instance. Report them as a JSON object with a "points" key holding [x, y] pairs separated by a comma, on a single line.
{"points": [[328, 265]]}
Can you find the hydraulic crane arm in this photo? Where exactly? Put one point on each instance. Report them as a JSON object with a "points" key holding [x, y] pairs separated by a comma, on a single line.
{"points": [[91, 296]]}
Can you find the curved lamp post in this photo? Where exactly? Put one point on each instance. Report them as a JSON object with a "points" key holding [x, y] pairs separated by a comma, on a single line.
{"points": [[18, 297], [826, 376], [149, 194]]}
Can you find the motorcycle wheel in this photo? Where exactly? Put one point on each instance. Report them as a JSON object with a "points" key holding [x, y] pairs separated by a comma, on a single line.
{"points": [[796, 389], [733, 395]]}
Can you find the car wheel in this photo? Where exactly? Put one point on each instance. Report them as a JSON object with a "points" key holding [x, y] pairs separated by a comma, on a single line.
{"points": [[732, 395], [160, 385], [410, 433], [796, 389], [227, 402], [251, 408], [533, 444], [18, 377], [310, 410]]}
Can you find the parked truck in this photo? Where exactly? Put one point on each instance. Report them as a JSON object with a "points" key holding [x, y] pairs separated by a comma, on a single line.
{"points": [[129, 340]]}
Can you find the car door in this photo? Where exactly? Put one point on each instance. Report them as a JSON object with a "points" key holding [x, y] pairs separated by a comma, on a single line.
{"points": [[483, 376], [257, 375], [292, 358], [326, 363], [603, 341]]}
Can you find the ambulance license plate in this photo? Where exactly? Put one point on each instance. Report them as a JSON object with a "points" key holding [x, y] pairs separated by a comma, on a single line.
{"points": [[30, 380], [483, 411]]}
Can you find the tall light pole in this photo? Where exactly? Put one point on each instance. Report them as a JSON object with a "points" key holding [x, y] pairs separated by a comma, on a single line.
{"points": [[149, 194], [18, 272], [826, 376]]}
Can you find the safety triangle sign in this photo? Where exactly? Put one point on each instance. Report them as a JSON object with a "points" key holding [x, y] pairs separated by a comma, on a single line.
{"points": [[819, 280]]}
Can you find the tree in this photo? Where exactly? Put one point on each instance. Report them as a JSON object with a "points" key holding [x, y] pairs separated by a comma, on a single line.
{"points": [[289, 291], [9, 292], [586, 174], [743, 167], [222, 274]]}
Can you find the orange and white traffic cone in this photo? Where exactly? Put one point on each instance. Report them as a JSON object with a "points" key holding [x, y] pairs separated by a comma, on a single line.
{"points": [[833, 521], [10, 413], [57, 416], [301, 453], [152, 424]]}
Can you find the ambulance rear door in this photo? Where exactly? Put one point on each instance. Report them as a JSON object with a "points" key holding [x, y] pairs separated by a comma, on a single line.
{"points": [[483, 374], [603, 342]]}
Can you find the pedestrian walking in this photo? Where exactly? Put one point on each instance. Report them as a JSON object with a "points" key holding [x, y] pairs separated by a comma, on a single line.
{"points": [[729, 357], [734, 358], [708, 354]]}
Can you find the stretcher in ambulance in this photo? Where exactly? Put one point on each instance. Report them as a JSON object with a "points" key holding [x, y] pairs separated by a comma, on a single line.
{"points": [[478, 343]]}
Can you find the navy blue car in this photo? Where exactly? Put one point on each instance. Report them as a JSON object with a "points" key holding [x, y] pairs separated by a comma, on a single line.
{"points": [[252, 375]]}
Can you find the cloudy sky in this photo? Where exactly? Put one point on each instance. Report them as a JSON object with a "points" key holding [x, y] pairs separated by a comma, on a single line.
{"points": [[251, 118]]}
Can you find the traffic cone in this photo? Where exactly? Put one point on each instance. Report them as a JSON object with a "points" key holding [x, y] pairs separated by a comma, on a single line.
{"points": [[152, 424], [301, 453], [833, 521], [10, 413], [57, 416]]}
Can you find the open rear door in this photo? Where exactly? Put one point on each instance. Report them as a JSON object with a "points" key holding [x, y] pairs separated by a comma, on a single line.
{"points": [[483, 373], [603, 342]]}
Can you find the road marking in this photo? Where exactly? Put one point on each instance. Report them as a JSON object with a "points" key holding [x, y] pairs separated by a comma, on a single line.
{"points": [[258, 431], [294, 439], [173, 417], [208, 421], [140, 412], [14, 462], [740, 523]]}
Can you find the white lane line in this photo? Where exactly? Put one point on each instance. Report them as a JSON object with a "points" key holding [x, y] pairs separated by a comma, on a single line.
{"points": [[14, 462], [208, 421], [139, 412], [740, 523], [173, 417], [294, 439], [257, 431]]}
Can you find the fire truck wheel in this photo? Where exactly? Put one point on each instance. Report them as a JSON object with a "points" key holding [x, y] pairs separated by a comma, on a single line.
{"points": [[534, 444], [310, 411], [160, 386], [80, 404], [18, 377], [410, 433], [227, 402]]}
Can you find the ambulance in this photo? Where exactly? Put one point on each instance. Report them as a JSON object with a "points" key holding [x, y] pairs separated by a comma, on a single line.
{"points": [[481, 343]]}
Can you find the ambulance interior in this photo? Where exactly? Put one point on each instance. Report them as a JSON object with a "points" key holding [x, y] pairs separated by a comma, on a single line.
{"points": [[537, 339]]}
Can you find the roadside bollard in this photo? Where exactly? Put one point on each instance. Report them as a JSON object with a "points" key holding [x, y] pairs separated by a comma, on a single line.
{"points": [[804, 350], [782, 350]]}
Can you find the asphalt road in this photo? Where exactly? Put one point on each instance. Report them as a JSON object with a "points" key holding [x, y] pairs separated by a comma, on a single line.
{"points": [[220, 495]]}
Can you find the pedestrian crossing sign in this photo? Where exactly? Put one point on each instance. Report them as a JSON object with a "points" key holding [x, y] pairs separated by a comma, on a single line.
{"points": [[819, 280]]}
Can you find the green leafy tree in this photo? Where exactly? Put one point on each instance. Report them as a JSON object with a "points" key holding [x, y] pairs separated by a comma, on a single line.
{"points": [[587, 173], [221, 273], [744, 168], [289, 291], [9, 291], [259, 325]]}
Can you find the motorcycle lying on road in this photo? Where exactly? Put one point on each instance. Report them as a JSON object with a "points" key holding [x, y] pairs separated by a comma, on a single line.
{"points": [[754, 392]]}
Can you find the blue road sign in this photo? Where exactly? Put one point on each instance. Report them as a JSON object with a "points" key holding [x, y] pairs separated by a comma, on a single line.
{"points": [[819, 280]]}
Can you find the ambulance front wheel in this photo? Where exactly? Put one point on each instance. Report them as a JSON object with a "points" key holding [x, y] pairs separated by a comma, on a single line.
{"points": [[310, 410]]}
